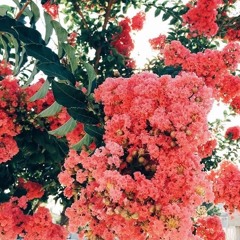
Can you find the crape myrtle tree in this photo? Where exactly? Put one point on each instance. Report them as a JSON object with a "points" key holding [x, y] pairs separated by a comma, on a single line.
{"points": [[129, 152]]}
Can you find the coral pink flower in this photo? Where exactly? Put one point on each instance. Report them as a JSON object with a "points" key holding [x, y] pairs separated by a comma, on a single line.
{"points": [[138, 21], [233, 133], [210, 228], [51, 9]]}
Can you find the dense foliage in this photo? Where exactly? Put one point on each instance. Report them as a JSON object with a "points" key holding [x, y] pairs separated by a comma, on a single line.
{"points": [[128, 152]]}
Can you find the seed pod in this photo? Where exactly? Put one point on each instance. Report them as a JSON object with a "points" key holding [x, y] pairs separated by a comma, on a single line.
{"points": [[118, 210], [119, 132], [129, 159], [148, 167], [141, 152], [135, 216], [152, 209], [134, 153], [141, 160], [188, 132], [173, 144], [173, 134]]}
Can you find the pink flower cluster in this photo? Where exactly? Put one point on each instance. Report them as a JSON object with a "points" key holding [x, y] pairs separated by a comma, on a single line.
{"points": [[34, 190], [9, 128], [233, 34], [210, 228], [226, 185], [138, 21], [147, 180], [201, 18], [18, 112], [123, 41], [158, 43], [39, 226], [213, 66], [51, 9], [14, 223], [233, 133]]}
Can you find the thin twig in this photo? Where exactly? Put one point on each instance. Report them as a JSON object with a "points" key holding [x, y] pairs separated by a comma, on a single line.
{"points": [[99, 49], [78, 10], [22, 10]]}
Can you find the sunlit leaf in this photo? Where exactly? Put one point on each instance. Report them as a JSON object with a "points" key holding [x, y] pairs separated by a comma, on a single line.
{"points": [[85, 141], [51, 111], [65, 128], [41, 92]]}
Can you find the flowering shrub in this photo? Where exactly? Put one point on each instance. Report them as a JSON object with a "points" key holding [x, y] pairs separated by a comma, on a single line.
{"points": [[226, 185], [128, 155], [135, 177], [210, 228], [233, 133]]}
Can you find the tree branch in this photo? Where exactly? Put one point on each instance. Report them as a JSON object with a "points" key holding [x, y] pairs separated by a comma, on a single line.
{"points": [[22, 10], [78, 10], [99, 49]]}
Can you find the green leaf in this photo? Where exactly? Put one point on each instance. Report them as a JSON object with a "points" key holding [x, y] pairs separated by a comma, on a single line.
{"points": [[41, 92], [4, 9], [65, 128], [61, 32], [83, 116], [33, 73], [17, 3], [166, 16], [48, 26], [29, 35], [62, 35], [91, 75], [68, 96], [51, 110], [17, 54], [157, 12], [86, 140], [35, 11], [94, 131], [70, 51], [173, 21], [41, 53], [5, 46], [53, 69]]}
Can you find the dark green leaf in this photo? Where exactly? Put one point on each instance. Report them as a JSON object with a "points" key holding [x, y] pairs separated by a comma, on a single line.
{"points": [[55, 70], [41, 53], [29, 35], [83, 116], [68, 96], [7, 24], [94, 131], [50, 111], [65, 128], [166, 16], [157, 12]]}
